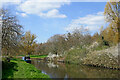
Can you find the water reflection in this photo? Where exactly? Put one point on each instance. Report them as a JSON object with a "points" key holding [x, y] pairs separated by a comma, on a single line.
{"points": [[61, 70]]}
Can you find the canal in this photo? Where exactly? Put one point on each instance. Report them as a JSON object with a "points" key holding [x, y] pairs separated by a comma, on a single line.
{"points": [[62, 70]]}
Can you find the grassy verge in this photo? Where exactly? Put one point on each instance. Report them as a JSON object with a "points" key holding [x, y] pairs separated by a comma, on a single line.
{"points": [[38, 56], [20, 69], [35, 56]]}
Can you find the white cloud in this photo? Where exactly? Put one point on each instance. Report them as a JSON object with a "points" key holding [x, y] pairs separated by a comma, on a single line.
{"points": [[54, 13], [43, 8], [21, 14], [92, 22]]}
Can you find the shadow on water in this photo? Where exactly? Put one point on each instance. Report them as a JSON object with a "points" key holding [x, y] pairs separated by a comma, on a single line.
{"points": [[61, 70], [8, 69]]}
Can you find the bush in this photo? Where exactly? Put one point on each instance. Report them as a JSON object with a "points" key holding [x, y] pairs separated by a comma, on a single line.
{"points": [[102, 58], [76, 55], [100, 47]]}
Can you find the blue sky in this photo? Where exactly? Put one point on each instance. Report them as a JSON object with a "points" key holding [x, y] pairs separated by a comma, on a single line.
{"points": [[48, 19]]}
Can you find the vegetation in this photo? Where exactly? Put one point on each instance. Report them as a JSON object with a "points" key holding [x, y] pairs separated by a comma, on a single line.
{"points": [[36, 56], [20, 69], [11, 32], [27, 43], [76, 55], [112, 13], [107, 58]]}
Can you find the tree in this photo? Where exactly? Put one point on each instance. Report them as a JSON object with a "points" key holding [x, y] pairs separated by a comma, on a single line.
{"points": [[28, 43], [78, 37], [11, 32], [56, 44], [95, 37], [112, 10], [112, 14]]}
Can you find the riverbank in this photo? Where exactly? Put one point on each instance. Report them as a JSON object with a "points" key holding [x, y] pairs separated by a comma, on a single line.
{"points": [[105, 57], [34, 56], [17, 68]]}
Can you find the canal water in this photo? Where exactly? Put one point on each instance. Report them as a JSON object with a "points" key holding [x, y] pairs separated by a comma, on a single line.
{"points": [[62, 70]]}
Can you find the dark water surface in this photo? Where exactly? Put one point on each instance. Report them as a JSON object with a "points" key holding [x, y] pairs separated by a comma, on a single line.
{"points": [[61, 70]]}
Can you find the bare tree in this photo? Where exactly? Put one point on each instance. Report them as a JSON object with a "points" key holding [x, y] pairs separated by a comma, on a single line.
{"points": [[11, 32]]}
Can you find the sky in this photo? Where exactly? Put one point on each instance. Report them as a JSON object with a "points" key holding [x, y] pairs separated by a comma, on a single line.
{"points": [[46, 19]]}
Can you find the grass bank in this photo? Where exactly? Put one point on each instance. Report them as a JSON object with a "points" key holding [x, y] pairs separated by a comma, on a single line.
{"points": [[38, 56], [19, 69], [35, 56]]}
